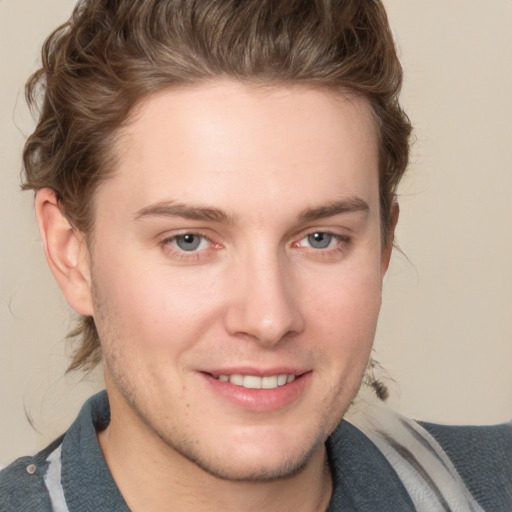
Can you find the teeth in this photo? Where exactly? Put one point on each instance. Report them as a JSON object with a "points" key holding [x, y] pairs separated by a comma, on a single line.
{"points": [[269, 382], [238, 380], [252, 382], [255, 382]]}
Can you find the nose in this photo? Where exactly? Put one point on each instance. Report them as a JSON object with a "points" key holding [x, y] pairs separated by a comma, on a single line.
{"points": [[264, 305]]}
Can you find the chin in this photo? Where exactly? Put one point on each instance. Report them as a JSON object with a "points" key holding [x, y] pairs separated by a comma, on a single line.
{"points": [[261, 460], [244, 469]]}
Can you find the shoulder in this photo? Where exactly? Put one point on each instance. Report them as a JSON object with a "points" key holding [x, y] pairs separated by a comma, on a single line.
{"points": [[482, 455], [22, 484]]}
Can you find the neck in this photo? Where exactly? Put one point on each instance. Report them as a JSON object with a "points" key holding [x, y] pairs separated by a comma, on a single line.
{"points": [[154, 477]]}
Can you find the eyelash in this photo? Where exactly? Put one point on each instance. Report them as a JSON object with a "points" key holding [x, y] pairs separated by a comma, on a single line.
{"points": [[169, 244], [342, 243]]}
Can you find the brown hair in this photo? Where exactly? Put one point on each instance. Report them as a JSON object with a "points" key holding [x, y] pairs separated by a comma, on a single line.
{"points": [[112, 53]]}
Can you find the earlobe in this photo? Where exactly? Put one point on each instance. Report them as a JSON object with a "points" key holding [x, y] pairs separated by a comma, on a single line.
{"points": [[388, 243], [66, 252]]}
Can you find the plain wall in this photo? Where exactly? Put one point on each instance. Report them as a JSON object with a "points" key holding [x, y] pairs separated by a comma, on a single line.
{"points": [[445, 331]]}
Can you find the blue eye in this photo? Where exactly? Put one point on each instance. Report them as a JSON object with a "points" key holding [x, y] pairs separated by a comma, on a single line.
{"points": [[320, 240], [190, 247], [188, 242]]}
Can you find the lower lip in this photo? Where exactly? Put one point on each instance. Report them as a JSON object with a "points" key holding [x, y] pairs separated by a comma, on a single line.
{"points": [[260, 400]]}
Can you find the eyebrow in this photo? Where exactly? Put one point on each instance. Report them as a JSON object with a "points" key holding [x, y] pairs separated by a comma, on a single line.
{"points": [[193, 212], [348, 205], [206, 213]]}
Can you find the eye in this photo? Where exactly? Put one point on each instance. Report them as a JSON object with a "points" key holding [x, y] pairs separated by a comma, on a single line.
{"points": [[320, 240], [190, 247], [324, 244], [190, 242]]}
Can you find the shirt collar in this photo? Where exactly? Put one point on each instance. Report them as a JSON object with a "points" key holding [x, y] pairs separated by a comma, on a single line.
{"points": [[362, 478]]}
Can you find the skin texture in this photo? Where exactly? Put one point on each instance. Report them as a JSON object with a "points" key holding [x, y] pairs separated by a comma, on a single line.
{"points": [[253, 173]]}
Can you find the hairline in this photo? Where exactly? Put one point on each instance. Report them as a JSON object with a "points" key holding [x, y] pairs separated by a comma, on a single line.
{"points": [[115, 151]]}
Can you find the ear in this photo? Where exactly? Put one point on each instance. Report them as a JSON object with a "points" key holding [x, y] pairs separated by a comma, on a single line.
{"points": [[387, 247], [66, 252]]}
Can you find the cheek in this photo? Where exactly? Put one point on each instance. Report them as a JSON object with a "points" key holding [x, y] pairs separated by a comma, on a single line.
{"points": [[154, 304], [344, 315], [349, 296]]}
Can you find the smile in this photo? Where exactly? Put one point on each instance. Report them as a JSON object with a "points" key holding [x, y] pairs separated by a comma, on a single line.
{"points": [[256, 382]]}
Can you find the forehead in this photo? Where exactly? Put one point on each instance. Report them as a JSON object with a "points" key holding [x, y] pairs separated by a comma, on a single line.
{"points": [[246, 146]]}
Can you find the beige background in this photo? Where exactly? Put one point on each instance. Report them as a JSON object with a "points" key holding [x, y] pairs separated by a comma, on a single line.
{"points": [[445, 333]]}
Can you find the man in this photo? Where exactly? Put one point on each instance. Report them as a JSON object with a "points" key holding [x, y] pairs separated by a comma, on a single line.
{"points": [[215, 194]]}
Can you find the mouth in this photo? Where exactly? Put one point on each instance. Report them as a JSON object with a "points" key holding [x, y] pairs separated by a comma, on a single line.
{"points": [[257, 382], [259, 391]]}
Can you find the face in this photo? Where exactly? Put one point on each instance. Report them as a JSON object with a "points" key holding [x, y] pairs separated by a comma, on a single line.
{"points": [[236, 272]]}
